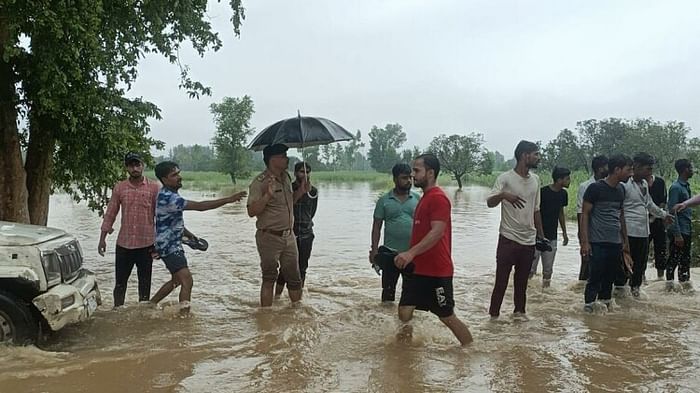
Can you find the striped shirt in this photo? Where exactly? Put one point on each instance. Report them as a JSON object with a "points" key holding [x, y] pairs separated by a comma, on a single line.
{"points": [[137, 204]]}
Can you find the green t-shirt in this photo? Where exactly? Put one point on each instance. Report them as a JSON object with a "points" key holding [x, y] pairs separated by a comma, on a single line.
{"points": [[398, 219]]}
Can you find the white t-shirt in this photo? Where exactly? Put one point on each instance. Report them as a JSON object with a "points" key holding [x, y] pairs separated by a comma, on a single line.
{"points": [[518, 225], [582, 190]]}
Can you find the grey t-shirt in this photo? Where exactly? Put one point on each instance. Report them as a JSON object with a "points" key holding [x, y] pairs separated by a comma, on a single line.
{"points": [[604, 224]]}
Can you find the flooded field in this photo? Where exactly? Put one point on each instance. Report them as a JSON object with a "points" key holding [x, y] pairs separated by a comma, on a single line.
{"points": [[342, 339]]}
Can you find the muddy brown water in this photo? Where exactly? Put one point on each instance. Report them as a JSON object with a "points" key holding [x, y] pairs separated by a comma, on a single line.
{"points": [[342, 339]]}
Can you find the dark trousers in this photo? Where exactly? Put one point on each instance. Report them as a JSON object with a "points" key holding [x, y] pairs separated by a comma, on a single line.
{"points": [[680, 257], [304, 245], [124, 263], [639, 251], [511, 254], [583, 271], [657, 236], [390, 277], [602, 266]]}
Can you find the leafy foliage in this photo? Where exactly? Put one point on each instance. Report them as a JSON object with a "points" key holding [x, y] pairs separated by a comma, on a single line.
{"points": [[458, 154], [408, 155], [196, 158], [232, 118], [69, 66], [383, 146], [665, 141]]}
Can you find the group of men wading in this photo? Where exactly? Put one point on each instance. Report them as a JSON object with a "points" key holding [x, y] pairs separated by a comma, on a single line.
{"points": [[614, 207]]}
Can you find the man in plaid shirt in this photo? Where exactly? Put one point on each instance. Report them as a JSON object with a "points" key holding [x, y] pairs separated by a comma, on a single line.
{"points": [[136, 197]]}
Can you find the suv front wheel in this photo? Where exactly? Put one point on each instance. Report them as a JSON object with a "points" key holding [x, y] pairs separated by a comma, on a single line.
{"points": [[17, 324]]}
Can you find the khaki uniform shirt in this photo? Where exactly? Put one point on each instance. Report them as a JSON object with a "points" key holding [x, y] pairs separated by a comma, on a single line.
{"points": [[279, 211]]}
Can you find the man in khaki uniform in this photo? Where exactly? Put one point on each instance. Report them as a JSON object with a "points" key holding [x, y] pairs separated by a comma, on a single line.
{"points": [[271, 200]]}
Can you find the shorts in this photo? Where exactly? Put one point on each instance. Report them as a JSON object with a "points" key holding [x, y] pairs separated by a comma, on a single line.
{"points": [[432, 294], [175, 261]]}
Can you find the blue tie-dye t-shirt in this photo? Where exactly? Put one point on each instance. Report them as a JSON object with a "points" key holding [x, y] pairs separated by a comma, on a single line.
{"points": [[169, 222]]}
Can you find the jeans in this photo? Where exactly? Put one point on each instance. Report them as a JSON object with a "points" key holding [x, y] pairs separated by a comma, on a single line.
{"points": [[124, 263], [547, 260], [583, 271], [680, 257], [657, 236], [602, 266], [511, 254], [639, 251]]}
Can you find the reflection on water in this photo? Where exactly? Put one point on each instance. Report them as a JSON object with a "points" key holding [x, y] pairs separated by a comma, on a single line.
{"points": [[341, 339]]}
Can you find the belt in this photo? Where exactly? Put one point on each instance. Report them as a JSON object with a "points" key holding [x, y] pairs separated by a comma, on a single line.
{"points": [[283, 233]]}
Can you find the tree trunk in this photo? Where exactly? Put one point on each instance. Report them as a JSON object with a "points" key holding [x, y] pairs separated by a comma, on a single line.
{"points": [[39, 167], [459, 180], [13, 191]]}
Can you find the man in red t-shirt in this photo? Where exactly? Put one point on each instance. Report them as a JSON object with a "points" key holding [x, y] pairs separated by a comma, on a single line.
{"points": [[429, 287]]}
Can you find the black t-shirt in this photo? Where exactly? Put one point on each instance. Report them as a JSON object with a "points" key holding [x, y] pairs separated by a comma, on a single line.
{"points": [[551, 203], [604, 222], [658, 191]]}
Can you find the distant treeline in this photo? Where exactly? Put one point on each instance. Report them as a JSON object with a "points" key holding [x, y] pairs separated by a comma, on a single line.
{"points": [[461, 155]]}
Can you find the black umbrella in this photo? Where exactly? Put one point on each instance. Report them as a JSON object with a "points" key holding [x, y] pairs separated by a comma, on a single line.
{"points": [[300, 132]]}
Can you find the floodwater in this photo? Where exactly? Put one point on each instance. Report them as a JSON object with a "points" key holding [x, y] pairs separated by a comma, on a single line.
{"points": [[342, 339]]}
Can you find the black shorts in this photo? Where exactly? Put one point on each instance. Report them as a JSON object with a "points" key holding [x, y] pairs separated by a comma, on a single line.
{"points": [[432, 294], [175, 262]]}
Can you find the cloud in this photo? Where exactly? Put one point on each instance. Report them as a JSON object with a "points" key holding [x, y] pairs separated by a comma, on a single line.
{"points": [[509, 69]]}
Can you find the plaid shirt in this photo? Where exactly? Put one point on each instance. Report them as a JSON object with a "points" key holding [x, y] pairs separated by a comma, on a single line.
{"points": [[138, 205]]}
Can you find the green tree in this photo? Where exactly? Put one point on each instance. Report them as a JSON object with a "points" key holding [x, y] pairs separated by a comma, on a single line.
{"points": [[232, 118], [348, 155], [565, 151], [383, 146], [487, 163], [665, 141], [407, 155], [65, 70], [458, 154], [194, 158]]}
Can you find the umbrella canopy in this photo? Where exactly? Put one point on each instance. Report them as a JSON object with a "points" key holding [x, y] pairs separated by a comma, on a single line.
{"points": [[299, 132]]}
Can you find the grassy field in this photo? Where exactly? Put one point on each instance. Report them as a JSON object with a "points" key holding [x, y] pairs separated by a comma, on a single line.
{"points": [[219, 182]]}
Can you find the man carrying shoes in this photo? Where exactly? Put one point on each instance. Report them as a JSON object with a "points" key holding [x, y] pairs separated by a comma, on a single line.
{"points": [[170, 228], [395, 209]]}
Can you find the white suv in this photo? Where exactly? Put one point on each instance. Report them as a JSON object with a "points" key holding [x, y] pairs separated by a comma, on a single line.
{"points": [[42, 282]]}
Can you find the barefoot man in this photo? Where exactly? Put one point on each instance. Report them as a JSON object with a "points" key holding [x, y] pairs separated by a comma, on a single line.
{"points": [[429, 286], [170, 228]]}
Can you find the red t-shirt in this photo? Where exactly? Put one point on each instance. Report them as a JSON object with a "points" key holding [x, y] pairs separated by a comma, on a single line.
{"points": [[437, 261]]}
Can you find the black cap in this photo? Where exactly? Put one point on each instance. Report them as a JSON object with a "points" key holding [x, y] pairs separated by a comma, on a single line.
{"points": [[273, 150], [131, 156]]}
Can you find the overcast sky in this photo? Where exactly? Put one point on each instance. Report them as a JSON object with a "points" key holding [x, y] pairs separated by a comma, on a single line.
{"points": [[508, 69]]}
